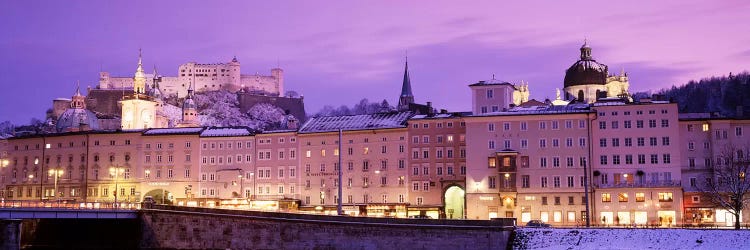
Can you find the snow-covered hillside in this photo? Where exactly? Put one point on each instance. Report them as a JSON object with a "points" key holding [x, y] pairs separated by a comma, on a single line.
{"points": [[619, 238]]}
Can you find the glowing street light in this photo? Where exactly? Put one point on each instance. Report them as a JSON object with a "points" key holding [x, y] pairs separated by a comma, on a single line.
{"points": [[116, 172], [57, 173]]}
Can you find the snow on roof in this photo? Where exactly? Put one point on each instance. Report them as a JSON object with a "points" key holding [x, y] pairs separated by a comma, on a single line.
{"points": [[538, 110], [278, 131], [173, 131], [356, 122], [435, 116], [228, 131]]}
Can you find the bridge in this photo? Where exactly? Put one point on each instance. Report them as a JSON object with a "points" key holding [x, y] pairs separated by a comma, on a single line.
{"points": [[19, 210]]}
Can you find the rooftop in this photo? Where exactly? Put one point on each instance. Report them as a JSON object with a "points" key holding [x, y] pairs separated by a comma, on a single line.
{"points": [[173, 131], [227, 131], [356, 122]]}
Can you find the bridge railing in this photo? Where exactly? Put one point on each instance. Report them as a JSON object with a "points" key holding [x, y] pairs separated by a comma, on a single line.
{"points": [[69, 205]]}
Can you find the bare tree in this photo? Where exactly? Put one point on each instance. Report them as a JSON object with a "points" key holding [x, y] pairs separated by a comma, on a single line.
{"points": [[727, 186]]}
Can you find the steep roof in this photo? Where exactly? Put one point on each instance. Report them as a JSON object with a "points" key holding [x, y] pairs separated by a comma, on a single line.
{"points": [[406, 86], [356, 122]]}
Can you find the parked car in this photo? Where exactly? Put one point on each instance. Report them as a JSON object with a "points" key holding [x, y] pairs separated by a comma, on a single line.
{"points": [[420, 217], [536, 223]]}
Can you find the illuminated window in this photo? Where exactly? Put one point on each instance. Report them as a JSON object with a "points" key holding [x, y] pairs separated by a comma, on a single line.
{"points": [[640, 197], [622, 197], [705, 127], [606, 197], [492, 162], [666, 196]]}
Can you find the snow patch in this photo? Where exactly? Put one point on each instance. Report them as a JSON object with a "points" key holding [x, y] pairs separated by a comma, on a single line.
{"points": [[622, 238]]}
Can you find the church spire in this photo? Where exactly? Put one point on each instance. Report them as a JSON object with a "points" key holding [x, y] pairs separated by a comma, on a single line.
{"points": [[406, 95], [139, 79]]}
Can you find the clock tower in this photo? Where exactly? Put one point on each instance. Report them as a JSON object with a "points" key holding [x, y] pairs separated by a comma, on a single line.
{"points": [[139, 109]]}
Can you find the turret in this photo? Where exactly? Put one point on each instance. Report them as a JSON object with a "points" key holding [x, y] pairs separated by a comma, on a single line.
{"points": [[139, 78], [278, 74]]}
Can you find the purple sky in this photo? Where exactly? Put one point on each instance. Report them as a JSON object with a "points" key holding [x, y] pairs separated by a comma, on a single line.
{"points": [[337, 53]]}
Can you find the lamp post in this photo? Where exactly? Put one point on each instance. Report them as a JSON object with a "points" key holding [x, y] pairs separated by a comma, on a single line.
{"points": [[242, 191], [56, 173], [116, 172], [252, 196]]}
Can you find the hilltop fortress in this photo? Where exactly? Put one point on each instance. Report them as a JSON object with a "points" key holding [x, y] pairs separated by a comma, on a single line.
{"points": [[204, 77]]}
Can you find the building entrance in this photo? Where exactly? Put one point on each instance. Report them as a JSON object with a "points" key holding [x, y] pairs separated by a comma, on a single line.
{"points": [[454, 202]]}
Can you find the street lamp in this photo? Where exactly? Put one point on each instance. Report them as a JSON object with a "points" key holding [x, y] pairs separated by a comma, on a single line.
{"points": [[4, 162], [116, 172], [56, 173], [242, 191], [252, 175]]}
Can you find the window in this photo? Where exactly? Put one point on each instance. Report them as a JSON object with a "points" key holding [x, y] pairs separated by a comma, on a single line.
{"points": [[665, 196], [490, 94], [629, 159], [615, 125], [639, 124], [640, 197], [622, 197], [542, 125], [664, 123], [556, 181], [603, 160], [652, 141], [542, 143], [606, 197], [569, 142], [666, 159], [654, 159], [490, 145], [492, 182], [571, 182], [555, 125], [603, 142], [582, 142], [544, 200], [602, 125], [665, 141], [524, 126], [615, 142], [628, 142], [651, 123], [627, 124], [641, 141], [525, 181], [641, 159], [543, 162], [490, 127], [544, 182]]}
